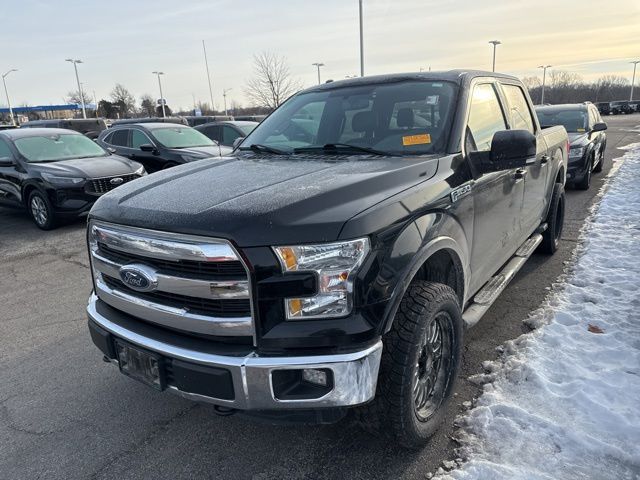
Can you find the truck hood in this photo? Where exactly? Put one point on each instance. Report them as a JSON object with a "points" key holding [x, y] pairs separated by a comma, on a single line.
{"points": [[95, 167], [263, 200]]}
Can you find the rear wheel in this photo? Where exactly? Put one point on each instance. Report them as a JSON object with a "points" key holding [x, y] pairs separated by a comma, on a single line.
{"points": [[41, 210], [555, 222], [420, 361]]}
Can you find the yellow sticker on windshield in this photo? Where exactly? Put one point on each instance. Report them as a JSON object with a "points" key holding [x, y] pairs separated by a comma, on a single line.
{"points": [[423, 139], [580, 129]]}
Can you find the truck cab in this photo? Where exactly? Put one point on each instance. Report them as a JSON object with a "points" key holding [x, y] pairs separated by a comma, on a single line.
{"points": [[334, 260]]}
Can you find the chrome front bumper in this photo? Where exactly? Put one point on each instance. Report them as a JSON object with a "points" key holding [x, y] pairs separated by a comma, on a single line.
{"points": [[355, 374]]}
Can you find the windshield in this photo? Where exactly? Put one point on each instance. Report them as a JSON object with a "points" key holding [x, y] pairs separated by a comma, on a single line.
{"points": [[400, 118], [181, 137], [56, 147], [574, 121]]}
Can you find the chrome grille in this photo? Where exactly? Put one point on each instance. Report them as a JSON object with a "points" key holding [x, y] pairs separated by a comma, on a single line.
{"points": [[198, 285], [104, 185]]}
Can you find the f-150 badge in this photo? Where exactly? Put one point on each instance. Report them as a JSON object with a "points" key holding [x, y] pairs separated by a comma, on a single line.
{"points": [[460, 192]]}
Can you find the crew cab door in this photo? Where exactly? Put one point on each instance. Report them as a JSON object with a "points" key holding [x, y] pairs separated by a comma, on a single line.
{"points": [[498, 196], [520, 117], [10, 177]]}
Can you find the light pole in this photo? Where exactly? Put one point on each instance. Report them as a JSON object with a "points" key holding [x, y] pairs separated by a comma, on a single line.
{"points": [[318, 65], [361, 40], [633, 79], [75, 67], [206, 62], [544, 78], [4, 82], [495, 43], [162, 102], [224, 96]]}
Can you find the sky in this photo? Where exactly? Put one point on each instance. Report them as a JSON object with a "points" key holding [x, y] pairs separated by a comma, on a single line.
{"points": [[124, 41]]}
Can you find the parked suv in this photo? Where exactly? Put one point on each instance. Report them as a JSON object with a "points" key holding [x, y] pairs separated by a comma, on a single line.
{"points": [[604, 108], [226, 133], [91, 127], [586, 134], [335, 260], [55, 173], [160, 145], [619, 107]]}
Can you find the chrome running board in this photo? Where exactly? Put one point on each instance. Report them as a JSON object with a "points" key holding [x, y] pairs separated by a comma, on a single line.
{"points": [[494, 287]]}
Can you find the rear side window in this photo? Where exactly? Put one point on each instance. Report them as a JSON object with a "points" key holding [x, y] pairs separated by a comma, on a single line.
{"points": [[485, 118], [519, 113], [213, 132], [119, 138], [5, 152]]}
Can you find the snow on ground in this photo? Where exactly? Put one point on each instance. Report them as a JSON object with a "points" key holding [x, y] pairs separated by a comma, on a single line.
{"points": [[563, 402]]}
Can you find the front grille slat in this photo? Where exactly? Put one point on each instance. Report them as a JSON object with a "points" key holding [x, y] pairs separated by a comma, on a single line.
{"points": [[209, 270], [201, 306]]}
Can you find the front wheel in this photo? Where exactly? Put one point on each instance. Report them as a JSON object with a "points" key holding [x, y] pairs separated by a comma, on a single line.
{"points": [[420, 361], [585, 183], [600, 164], [41, 210], [555, 222]]}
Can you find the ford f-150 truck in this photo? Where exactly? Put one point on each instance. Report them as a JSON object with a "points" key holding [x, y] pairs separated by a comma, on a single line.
{"points": [[333, 262]]}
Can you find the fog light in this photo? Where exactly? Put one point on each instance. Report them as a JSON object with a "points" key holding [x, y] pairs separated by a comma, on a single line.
{"points": [[317, 377]]}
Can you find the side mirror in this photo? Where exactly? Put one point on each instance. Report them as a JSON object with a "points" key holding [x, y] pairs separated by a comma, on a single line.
{"points": [[599, 127], [147, 147], [237, 142], [6, 162], [509, 149]]}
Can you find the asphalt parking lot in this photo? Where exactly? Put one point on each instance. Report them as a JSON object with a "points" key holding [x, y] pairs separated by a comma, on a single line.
{"points": [[64, 413]]}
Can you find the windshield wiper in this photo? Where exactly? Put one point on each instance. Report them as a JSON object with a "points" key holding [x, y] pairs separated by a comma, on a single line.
{"points": [[340, 147], [258, 148]]}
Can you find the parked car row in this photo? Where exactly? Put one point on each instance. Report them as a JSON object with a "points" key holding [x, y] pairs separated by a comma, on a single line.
{"points": [[618, 107]]}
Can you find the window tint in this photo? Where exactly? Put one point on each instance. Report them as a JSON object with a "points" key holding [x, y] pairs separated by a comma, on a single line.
{"points": [[229, 134], [5, 152], [119, 138], [485, 118], [138, 138], [213, 132], [519, 113]]}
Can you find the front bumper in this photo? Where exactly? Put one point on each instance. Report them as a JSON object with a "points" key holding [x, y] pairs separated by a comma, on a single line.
{"points": [[354, 374]]}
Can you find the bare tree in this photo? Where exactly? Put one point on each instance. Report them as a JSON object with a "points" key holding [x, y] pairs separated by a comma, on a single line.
{"points": [[124, 99], [532, 82], [74, 97], [147, 105], [272, 83]]}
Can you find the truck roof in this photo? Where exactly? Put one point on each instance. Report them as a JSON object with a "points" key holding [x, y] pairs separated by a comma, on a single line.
{"points": [[458, 76]]}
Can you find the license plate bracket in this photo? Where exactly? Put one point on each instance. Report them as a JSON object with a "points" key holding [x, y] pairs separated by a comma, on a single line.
{"points": [[140, 364]]}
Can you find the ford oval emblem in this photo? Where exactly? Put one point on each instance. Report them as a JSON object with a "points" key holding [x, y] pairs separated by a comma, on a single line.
{"points": [[116, 181], [140, 278]]}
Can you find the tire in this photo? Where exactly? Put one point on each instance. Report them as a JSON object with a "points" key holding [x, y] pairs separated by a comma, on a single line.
{"points": [[585, 183], [41, 210], [600, 164], [555, 222], [415, 382]]}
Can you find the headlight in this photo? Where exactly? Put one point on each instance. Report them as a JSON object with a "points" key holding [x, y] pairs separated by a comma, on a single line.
{"points": [[56, 180], [576, 152], [141, 172], [336, 265]]}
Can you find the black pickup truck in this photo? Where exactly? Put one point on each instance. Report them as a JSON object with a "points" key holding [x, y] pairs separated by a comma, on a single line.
{"points": [[333, 262]]}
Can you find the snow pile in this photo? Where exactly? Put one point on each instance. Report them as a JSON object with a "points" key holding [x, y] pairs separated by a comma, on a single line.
{"points": [[564, 401]]}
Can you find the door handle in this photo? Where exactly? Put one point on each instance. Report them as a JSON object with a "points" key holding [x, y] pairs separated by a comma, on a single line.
{"points": [[520, 174], [544, 159]]}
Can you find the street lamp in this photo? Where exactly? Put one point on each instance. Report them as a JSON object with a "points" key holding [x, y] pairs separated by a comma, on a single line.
{"points": [[206, 63], [544, 77], [318, 65], [361, 40], [13, 120], [633, 80], [224, 96], [162, 102], [75, 67], [495, 43]]}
